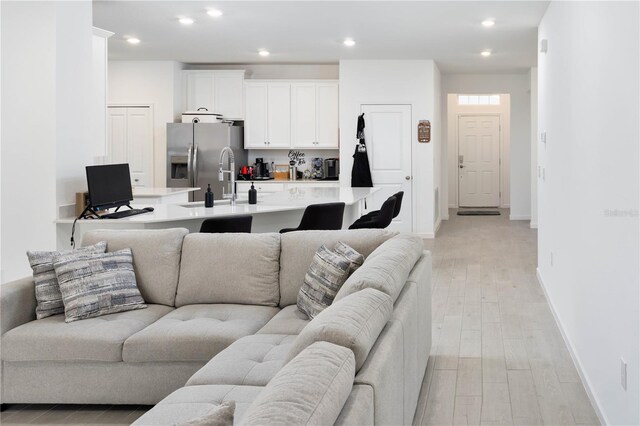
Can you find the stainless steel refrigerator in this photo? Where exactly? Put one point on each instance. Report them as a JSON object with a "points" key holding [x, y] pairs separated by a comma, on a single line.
{"points": [[193, 155]]}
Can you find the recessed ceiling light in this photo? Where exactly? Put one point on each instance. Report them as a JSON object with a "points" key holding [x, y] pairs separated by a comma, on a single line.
{"points": [[263, 52], [214, 12], [186, 21], [486, 53], [349, 42], [488, 23], [133, 40]]}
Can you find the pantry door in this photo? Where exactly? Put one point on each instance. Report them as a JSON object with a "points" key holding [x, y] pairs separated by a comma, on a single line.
{"points": [[131, 141], [388, 139]]}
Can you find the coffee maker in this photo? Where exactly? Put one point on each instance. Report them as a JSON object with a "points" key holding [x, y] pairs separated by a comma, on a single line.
{"points": [[331, 169], [261, 170]]}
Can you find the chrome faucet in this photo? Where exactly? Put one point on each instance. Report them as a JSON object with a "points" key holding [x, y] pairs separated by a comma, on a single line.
{"points": [[232, 174]]}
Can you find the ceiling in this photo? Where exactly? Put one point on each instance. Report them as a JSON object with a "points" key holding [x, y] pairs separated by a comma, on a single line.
{"points": [[312, 32]]}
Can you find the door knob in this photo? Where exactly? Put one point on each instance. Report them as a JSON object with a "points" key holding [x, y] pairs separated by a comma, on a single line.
{"points": [[461, 166], [407, 177]]}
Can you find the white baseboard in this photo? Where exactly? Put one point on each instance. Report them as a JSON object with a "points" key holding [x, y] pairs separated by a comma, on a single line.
{"points": [[435, 231], [533, 225], [519, 217], [574, 357]]}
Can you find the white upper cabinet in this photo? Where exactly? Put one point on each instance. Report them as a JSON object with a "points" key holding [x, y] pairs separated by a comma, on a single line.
{"points": [[268, 115], [291, 114], [217, 91], [327, 128], [303, 115]]}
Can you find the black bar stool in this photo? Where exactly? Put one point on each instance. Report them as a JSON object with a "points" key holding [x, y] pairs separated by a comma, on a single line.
{"points": [[379, 221], [320, 217], [227, 224]]}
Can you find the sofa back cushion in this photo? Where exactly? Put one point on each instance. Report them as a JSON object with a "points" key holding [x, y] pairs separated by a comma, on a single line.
{"points": [[229, 268], [156, 258], [310, 390], [298, 249], [387, 268], [354, 322]]}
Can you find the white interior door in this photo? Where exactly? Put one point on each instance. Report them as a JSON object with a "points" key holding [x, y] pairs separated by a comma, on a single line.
{"points": [[479, 161], [131, 141], [388, 138]]}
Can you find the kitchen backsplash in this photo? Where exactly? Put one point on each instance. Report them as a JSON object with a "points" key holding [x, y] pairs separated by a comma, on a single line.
{"points": [[281, 156]]}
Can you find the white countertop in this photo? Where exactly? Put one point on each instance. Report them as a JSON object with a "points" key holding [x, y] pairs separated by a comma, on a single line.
{"points": [[293, 199], [142, 192]]}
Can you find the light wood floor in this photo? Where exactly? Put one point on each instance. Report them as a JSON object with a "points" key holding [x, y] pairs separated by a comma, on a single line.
{"points": [[497, 355]]}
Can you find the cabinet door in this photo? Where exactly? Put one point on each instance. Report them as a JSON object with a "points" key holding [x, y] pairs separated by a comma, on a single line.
{"points": [[200, 91], [279, 115], [140, 146], [228, 96], [117, 135], [255, 123], [303, 115], [327, 115]]}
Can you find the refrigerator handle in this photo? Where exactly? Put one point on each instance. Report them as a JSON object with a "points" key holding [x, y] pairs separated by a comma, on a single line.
{"points": [[189, 167], [195, 165]]}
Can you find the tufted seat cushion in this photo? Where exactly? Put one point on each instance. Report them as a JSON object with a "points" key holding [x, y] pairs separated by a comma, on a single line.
{"points": [[290, 320], [195, 332], [252, 360], [191, 402], [93, 339]]}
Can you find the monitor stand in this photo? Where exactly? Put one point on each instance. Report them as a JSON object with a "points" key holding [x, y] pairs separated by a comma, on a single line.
{"points": [[90, 213], [128, 205]]}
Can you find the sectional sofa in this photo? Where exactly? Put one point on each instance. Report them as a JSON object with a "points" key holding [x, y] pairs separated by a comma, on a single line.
{"points": [[222, 323]]}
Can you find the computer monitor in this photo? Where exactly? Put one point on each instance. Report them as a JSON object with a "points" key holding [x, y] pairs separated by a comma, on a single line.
{"points": [[109, 185]]}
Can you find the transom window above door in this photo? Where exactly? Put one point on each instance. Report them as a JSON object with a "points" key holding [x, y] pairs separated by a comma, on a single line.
{"points": [[478, 99]]}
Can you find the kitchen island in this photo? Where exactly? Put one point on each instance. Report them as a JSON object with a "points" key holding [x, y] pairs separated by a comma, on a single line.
{"points": [[273, 212]]}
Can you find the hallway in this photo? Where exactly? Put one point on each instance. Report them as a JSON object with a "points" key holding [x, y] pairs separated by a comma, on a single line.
{"points": [[497, 355]]}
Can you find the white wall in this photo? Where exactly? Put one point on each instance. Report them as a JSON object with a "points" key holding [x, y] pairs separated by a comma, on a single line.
{"points": [[588, 201], [158, 83], [277, 71], [517, 85], [46, 138], [394, 82], [533, 84]]}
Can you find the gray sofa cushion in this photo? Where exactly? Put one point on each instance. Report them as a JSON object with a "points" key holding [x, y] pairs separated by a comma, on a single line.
{"points": [[47, 289], [156, 258], [310, 390], [387, 268], [230, 268], [288, 321], [298, 248], [94, 339], [222, 415], [195, 332], [252, 360], [192, 401], [353, 322], [93, 285]]}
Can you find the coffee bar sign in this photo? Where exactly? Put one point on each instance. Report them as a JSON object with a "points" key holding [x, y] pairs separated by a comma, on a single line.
{"points": [[424, 131]]}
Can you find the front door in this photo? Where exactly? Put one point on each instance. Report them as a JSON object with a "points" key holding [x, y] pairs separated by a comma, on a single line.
{"points": [[388, 138], [479, 161]]}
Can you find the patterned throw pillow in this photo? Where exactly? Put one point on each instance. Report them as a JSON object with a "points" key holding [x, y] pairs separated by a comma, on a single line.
{"points": [[353, 256], [48, 296], [97, 284], [328, 271], [222, 415]]}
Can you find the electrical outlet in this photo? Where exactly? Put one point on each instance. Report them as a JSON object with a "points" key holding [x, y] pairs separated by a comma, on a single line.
{"points": [[543, 137], [544, 174], [551, 258], [623, 374]]}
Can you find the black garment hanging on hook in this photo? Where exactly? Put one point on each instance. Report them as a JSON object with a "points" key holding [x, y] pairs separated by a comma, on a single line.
{"points": [[361, 173]]}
